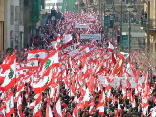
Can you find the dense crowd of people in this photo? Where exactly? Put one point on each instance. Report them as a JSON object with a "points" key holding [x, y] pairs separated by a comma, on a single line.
{"points": [[65, 81]]}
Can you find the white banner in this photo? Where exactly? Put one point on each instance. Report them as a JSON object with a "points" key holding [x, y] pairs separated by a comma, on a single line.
{"points": [[116, 81], [81, 25], [90, 36]]}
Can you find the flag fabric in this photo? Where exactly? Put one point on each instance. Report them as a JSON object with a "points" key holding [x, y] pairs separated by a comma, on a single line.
{"points": [[123, 55], [37, 109], [19, 102], [113, 58], [118, 67], [48, 111], [153, 112], [57, 109], [67, 39], [51, 59], [129, 70], [37, 54], [110, 47], [100, 107], [10, 105], [10, 79]]}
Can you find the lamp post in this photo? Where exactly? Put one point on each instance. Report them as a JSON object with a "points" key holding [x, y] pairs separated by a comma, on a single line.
{"points": [[121, 27], [130, 9], [147, 26]]}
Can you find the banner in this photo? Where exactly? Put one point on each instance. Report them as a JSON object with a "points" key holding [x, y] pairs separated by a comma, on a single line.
{"points": [[116, 81], [81, 25], [90, 36]]}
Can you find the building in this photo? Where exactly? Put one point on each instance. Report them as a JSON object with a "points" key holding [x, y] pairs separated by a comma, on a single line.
{"points": [[70, 5], [149, 17], [13, 24], [1, 25]]}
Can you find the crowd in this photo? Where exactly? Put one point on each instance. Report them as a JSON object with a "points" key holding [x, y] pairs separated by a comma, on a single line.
{"points": [[60, 76]]}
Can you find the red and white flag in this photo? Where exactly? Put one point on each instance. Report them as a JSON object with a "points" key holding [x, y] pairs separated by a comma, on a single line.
{"points": [[37, 54], [51, 59], [48, 111], [10, 105], [153, 112], [57, 109], [37, 110], [123, 55], [67, 39], [110, 47], [9, 80]]}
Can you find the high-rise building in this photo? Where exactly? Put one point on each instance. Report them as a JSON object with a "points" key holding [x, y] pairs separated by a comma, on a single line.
{"points": [[1, 25]]}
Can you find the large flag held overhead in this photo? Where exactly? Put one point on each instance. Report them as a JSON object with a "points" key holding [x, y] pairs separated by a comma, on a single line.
{"points": [[57, 109], [110, 47], [10, 79], [67, 39], [10, 105], [123, 55], [51, 59], [37, 54], [48, 111]]}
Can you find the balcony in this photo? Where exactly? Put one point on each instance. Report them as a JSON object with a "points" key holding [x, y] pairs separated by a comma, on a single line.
{"points": [[144, 1], [152, 25]]}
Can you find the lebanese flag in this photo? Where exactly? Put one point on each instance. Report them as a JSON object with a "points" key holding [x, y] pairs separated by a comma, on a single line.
{"points": [[130, 71], [147, 87], [153, 112], [37, 110], [9, 80], [10, 105], [44, 82], [67, 39], [57, 42], [51, 59], [19, 102], [100, 107], [57, 109], [69, 115], [2, 110], [20, 113], [128, 83], [119, 108], [124, 92], [113, 58], [48, 110], [118, 67], [32, 105], [108, 92], [144, 105], [102, 98], [123, 55], [37, 54], [110, 47], [32, 64]]}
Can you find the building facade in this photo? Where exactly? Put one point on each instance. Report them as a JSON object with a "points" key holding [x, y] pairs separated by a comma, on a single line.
{"points": [[1, 25], [148, 24], [13, 24]]}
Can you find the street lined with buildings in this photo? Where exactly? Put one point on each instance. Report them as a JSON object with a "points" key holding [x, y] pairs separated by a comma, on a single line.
{"points": [[77, 58]]}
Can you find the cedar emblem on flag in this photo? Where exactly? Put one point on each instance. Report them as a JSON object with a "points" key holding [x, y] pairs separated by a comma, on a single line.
{"points": [[47, 64], [11, 74], [37, 55]]}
